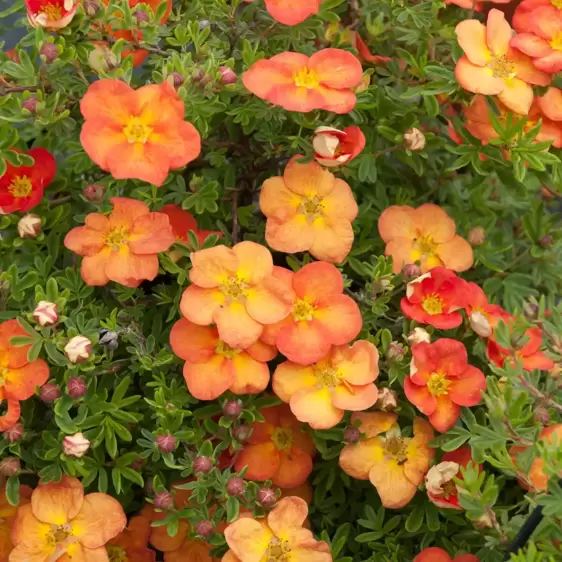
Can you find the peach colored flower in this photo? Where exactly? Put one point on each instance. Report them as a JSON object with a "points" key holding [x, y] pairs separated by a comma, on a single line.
{"points": [[309, 209], [137, 134], [300, 83], [289, 12]]}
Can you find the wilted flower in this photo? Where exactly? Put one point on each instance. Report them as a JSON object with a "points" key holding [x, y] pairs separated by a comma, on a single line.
{"points": [[75, 445], [387, 400], [476, 236], [334, 147], [29, 226], [418, 335], [414, 139], [46, 313], [78, 349], [109, 338], [483, 316]]}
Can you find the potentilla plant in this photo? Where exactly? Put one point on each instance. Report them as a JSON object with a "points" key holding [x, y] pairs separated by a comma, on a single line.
{"points": [[280, 281]]}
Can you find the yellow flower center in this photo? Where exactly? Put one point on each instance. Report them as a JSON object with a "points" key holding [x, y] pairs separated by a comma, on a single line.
{"points": [[432, 304], [556, 42], [117, 238], [235, 289], [116, 553], [58, 534], [425, 245], [502, 67], [136, 131], [20, 187], [282, 438], [396, 447], [557, 4], [305, 78], [52, 12], [327, 377], [277, 551], [449, 489], [303, 310], [226, 351], [312, 207], [438, 384]]}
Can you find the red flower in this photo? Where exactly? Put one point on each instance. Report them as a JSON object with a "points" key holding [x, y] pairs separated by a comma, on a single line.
{"points": [[441, 381], [482, 315], [183, 221], [434, 298], [334, 147], [21, 187], [434, 554]]}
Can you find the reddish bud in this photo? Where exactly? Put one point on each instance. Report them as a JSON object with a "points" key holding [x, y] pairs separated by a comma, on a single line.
{"points": [[228, 76], [546, 241], [94, 192], [76, 387], [542, 416], [166, 443], [10, 466], [164, 501], [15, 433], [204, 528], [411, 271], [267, 497], [140, 15], [351, 435], [241, 433], [232, 409], [30, 104], [201, 465], [236, 486], [476, 236], [49, 392], [177, 78], [49, 51]]}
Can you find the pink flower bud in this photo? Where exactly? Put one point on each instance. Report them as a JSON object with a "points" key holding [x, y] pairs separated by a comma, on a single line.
{"points": [[228, 76], [177, 78], [76, 387], [30, 104], [94, 192], [241, 432], [15, 433], [232, 409], [414, 139], [46, 313], [546, 241], [334, 147], [29, 226], [49, 51], [78, 349], [49, 392], [204, 528], [140, 15], [75, 445], [164, 501], [10, 466], [351, 434], [166, 443], [411, 270], [202, 465], [236, 486], [267, 497], [476, 236]]}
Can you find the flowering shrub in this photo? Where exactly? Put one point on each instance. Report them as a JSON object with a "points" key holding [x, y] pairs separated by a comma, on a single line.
{"points": [[280, 281]]}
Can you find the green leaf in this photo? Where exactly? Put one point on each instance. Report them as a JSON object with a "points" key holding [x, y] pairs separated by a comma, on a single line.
{"points": [[415, 520], [232, 509], [13, 490], [132, 475]]}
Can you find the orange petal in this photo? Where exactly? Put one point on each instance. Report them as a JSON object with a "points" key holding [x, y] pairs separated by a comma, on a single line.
{"points": [[291, 236], [397, 222], [11, 415], [477, 79], [110, 101], [374, 423], [394, 489], [236, 327], [92, 269], [303, 342], [248, 539], [151, 234], [192, 342], [209, 379], [276, 200], [358, 364], [314, 406], [260, 351], [498, 33], [129, 269], [161, 540], [16, 355], [419, 458], [433, 554], [291, 61], [29, 530], [316, 280], [261, 459], [357, 459], [58, 503], [21, 383], [531, 45], [517, 95], [446, 414], [432, 220], [198, 305], [84, 241], [340, 202], [338, 101], [100, 519], [551, 104], [213, 266], [308, 179], [333, 239], [255, 262], [250, 376], [265, 75], [471, 35], [355, 398], [457, 254], [270, 302], [159, 103], [289, 514], [192, 551], [99, 141], [290, 13], [126, 212], [289, 378], [467, 389], [294, 468], [420, 396], [340, 318], [402, 252], [181, 221], [336, 68]]}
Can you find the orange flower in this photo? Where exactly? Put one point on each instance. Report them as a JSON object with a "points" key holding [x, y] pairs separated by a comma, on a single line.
{"points": [[491, 67], [183, 221], [122, 247], [426, 234], [277, 449], [309, 209], [364, 52], [132, 543], [137, 134], [441, 381], [61, 520], [300, 83], [435, 554], [289, 12], [234, 288], [18, 376], [483, 317], [320, 394], [52, 14], [321, 315], [548, 436], [435, 298], [8, 514], [395, 465], [213, 367]]}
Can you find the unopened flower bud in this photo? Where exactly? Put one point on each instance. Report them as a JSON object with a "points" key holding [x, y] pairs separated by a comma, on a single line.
{"points": [[419, 335], [29, 226], [411, 271], [204, 528], [177, 78], [267, 497], [140, 15], [166, 443], [241, 432], [387, 400], [30, 104], [94, 192], [49, 392], [395, 351], [15, 433], [202, 465], [232, 409], [91, 7], [476, 236], [236, 486], [351, 434], [75, 445], [228, 76], [49, 51], [109, 338], [546, 241], [10, 466], [542, 416], [101, 57], [76, 387], [483, 522], [46, 313], [164, 501], [414, 139], [78, 349]]}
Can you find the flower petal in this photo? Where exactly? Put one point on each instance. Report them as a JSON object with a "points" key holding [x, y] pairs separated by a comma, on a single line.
{"points": [[250, 376], [457, 254], [294, 468], [255, 262], [340, 318], [314, 406], [290, 12], [193, 342], [471, 35], [248, 539], [420, 397], [373, 423], [397, 222], [355, 398], [531, 45], [16, 355], [265, 75], [270, 302], [198, 305], [358, 364], [431, 220], [58, 503], [303, 342], [289, 378], [316, 280], [21, 383], [236, 327], [477, 79], [357, 459], [261, 459], [498, 33], [340, 202], [336, 68], [333, 239], [446, 414], [276, 200], [517, 95], [151, 234], [394, 489], [212, 266], [209, 379], [129, 269], [467, 389], [292, 236], [289, 514], [92, 269], [308, 179], [84, 241]]}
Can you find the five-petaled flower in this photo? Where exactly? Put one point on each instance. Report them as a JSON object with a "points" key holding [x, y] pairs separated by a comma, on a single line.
{"points": [[333, 147], [289, 12], [277, 449], [441, 381], [434, 298], [122, 247], [300, 83], [279, 537], [137, 134], [435, 554], [491, 67], [234, 288], [395, 465], [309, 209], [321, 314], [21, 187], [213, 367], [320, 394], [51, 14], [426, 234], [61, 520]]}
